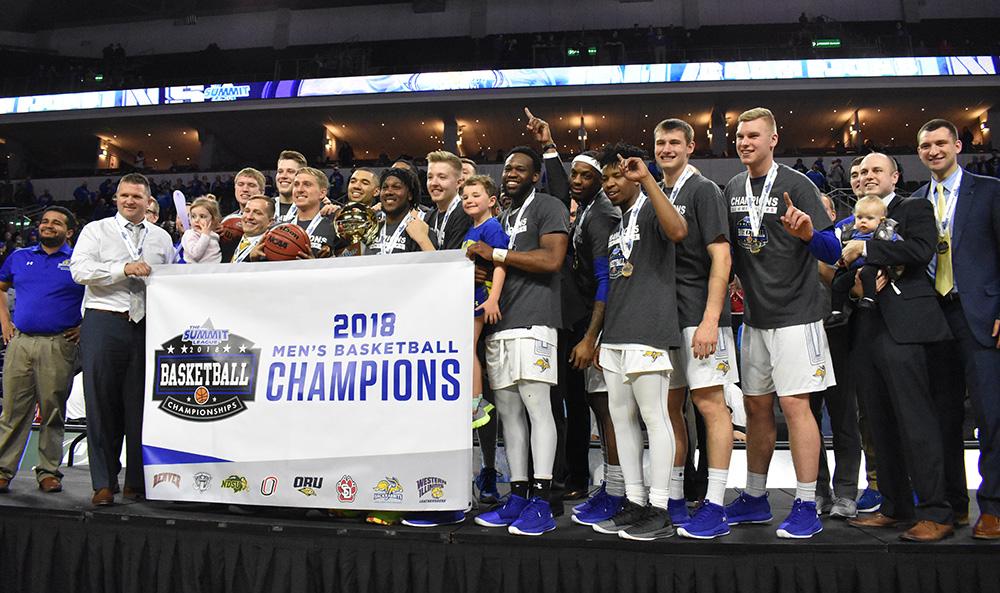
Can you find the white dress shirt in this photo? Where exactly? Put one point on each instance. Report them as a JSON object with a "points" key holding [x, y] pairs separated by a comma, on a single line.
{"points": [[100, 256]]}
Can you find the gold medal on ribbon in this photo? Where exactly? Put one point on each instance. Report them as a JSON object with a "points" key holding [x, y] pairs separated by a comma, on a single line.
{"points": [[627, 269]]}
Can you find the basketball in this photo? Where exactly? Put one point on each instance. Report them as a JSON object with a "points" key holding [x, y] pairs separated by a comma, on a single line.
{"points": [[231, 230], [285, 241]]}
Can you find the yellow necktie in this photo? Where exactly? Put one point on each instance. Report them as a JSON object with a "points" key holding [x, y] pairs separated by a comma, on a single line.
{"points": [[244, 242], [944, 279]]}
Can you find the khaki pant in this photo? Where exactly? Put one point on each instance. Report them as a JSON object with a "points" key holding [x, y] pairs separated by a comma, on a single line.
{"points": [[37, 369]]}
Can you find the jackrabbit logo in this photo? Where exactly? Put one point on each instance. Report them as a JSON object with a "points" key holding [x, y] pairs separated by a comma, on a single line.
{"points": [[205, 374]]}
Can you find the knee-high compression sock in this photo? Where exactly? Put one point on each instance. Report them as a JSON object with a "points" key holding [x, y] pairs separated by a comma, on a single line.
{"points": [[515, 431], [628, 435], [649, 391], [535, 397]]}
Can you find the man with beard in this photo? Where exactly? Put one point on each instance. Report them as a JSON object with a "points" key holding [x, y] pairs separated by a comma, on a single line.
{"points": [[521, 353], [258, 212], [289, 163], [401, 231], [41, 344], [584, 296], [448, 222]]}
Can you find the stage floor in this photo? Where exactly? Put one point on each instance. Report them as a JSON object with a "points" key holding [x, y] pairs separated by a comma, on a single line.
{"points": [[276, 549]]}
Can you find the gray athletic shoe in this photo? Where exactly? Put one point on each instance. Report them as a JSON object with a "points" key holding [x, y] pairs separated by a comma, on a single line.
{"points": [[823, 504], [844, 508], [630, 514], [653, 526]]}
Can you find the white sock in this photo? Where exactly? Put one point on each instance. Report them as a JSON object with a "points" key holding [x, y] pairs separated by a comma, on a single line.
{"points": [[658, 497], [614, 481], [806, 491], [637, 493], [677, 483], [717, 486], [756, 484]]}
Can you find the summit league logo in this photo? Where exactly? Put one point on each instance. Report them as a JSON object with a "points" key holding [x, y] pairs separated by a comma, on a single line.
{"points": [[205, 374]]}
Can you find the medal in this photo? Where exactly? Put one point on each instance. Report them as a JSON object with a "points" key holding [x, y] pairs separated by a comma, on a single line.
{"points": [[627, 269], [627, 233], [942, 246], [745, 236], [757, 237]]}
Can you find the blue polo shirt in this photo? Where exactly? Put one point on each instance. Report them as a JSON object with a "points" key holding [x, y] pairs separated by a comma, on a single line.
{"points": [[48, 301]]}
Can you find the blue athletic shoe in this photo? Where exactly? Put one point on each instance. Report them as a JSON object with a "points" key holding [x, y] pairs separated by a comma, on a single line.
{"points": [[505, 514], [600, 509], [486, 483], [535, 519], [869, 501], [749, 509], [678, 510], [595, 498], [433, 518], [802, 523], [708, 522]]}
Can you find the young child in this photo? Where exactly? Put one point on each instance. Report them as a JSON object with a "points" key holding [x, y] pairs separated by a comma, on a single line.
{"points": [[869, 223], [479, 195], [200, 242]]}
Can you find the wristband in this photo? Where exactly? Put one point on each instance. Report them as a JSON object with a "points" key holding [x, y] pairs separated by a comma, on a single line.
{"points": [[548, 146], [499, 255]]}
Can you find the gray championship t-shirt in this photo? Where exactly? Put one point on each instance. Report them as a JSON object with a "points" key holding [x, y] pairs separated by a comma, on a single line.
{"points": [[322, 235], [780, 281], [531, 299], [381, 244], [642, 308], [588, 240], [701, 204], [458, 225]]}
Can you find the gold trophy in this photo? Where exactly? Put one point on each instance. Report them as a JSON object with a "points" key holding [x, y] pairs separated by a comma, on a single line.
{"points": [[358, 225]]}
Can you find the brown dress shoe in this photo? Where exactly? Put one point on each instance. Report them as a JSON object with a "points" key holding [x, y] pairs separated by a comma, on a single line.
{"points": [[4, 485], [50, 484], [103, 497], [873, 520], [987, 527], [928, 531], [133, 493]]}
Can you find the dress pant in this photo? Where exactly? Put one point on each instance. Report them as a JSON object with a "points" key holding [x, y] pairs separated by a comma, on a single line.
{"points": [[113, 352], [36, 369], [569, 407], [948, 388], [982, 375], [893, 384], [842, 407]]}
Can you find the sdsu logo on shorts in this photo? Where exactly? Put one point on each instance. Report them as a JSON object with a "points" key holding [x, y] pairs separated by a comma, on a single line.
{"points": [[205, 374], [347, 489]]}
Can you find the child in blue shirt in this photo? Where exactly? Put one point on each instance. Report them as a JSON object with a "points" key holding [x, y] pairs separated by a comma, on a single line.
{"points": [[869, 224], [478, 197]]}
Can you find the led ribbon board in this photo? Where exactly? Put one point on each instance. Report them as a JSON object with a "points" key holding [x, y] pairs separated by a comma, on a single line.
{"points": [[839, 68]]}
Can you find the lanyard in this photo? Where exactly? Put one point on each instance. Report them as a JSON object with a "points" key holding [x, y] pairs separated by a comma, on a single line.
{"points": [[512, 231], [242, 253], [578, 223], [135, 252], [944, 218], [626, 237], [312, 224], [292, 213], [688, 172], [388, 247], [755, 206], [444, 221]]}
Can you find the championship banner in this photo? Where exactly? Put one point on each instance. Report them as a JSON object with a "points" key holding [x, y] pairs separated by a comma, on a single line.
{"points": [[336, 383]]}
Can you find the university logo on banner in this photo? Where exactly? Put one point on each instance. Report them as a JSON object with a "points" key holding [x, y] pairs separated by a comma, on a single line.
{"points": [[205, 374]]}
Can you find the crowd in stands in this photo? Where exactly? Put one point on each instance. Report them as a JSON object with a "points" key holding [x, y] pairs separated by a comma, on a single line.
{"points": [[26, 73]]}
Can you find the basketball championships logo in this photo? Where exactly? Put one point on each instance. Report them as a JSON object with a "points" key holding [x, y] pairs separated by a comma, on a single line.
{"points": [[205, 374]]}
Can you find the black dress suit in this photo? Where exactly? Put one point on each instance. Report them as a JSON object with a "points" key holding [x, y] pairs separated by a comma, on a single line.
{"points": [[972, 310], [890, 363]]}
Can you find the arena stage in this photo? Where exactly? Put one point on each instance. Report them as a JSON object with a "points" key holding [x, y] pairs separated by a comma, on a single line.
{"points": [[60, 543]]}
